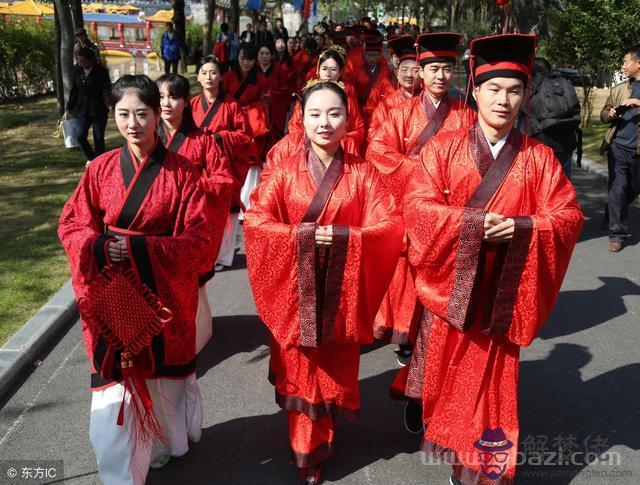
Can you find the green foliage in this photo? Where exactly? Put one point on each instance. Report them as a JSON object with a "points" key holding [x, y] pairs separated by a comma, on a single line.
{"points": [[27, 57], [591, 35], [194, 36]]}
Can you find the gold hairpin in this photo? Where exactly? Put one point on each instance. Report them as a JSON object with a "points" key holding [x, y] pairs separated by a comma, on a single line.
{"points": [[314, 81]]}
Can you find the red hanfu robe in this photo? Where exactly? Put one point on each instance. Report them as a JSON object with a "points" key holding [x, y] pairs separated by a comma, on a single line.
{"points": [[319, 305], [248, 90], [394, 149], [281, 96], [352, 142], [158, 204], [227, 122], [205, 154], [379, 87], [381, 112], [482, 301]]}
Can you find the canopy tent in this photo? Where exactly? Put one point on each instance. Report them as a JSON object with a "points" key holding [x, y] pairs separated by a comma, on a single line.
{"points": [[28, 8]]}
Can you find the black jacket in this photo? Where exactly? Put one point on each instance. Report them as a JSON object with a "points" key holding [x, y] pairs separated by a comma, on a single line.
{"points": [[248, 37], [90, 95]]}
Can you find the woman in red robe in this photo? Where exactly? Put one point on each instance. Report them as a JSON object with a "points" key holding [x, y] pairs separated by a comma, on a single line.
{"points": [[179, 134], [282, 89], [409, 83], [139, 213], [215, 112], [322, 238], [330, 67], [248, 84], [492, 221]]}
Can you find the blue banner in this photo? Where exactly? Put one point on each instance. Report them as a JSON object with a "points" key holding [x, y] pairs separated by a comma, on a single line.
{"points": [[297, 5]]}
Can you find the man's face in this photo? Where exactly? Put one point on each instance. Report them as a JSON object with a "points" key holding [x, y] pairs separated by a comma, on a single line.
{"points": [[249, 27], [409, 74], [82, 38], [437, 77], [371, 58], [499, 100], [169, 28], [631, 66], [279, 23]]}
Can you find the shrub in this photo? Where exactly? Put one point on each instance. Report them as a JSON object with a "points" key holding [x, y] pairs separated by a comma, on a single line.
{"points": [[26, 71]]}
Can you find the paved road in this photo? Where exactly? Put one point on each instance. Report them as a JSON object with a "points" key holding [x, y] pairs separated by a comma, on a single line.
{"points": [[579, 381]]}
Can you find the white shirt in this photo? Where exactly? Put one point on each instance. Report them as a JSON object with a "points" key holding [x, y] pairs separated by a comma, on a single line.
{"points": [[497, 147], [87, 71]]}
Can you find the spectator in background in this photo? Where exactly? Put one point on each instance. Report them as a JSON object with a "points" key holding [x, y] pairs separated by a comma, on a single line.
{"points": [[292, 46], [621, 141], [82, 40], [280, 30], [226, 46], [264, 37], [248, 36], [88, 100], [171, 49], [554, 112]]}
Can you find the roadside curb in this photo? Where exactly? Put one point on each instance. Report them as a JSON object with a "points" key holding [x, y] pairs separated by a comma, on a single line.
{"points": [[27, 344], [593, 167]]}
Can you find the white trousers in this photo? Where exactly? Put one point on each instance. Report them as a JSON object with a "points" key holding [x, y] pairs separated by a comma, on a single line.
{"points": [[228, 246], [178, 405], [250, 183], [204, 321]]}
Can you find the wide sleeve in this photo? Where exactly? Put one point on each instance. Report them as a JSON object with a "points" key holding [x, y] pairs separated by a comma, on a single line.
{"points": [[553, 231], [189, 250], [354, 138], [271, 247], [387, 152], [234, 140], [437, 232], [81, 232], [372, 252]]}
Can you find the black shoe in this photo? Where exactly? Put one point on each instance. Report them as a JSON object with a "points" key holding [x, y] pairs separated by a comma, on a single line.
{"points": [[454, 481], [413, 417]]}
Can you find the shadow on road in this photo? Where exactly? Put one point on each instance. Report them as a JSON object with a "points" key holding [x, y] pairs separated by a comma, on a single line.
{"points": [[232, 335], [255, 449], [580, 310], [559, 410]]}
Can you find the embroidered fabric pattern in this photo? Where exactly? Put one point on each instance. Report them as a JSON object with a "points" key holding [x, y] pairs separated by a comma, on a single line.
{"points": [[471, 233], [511, 275]]}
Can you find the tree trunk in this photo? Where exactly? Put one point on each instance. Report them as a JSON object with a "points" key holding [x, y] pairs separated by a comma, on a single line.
{"points": [[58, 72], [67, 40], [235, 16], [78, 19], [207, 40]]}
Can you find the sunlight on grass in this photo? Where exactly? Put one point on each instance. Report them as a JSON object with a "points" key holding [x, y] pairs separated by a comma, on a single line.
{"points": [[37, 175]]}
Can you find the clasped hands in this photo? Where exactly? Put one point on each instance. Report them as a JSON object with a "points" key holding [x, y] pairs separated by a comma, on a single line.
{"points": [[324, 235], [117, 249], [497, 228]]}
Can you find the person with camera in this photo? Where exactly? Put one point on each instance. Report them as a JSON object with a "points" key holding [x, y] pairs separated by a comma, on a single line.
{"points": [[621, 142]]}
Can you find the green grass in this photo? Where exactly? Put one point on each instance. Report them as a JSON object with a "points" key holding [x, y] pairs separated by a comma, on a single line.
{"points": [[593, 134], [37, 175]]}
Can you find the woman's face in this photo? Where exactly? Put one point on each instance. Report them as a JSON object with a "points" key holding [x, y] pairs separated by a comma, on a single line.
{"points": [[245, 63], [292, 44], [136, 121], [329, 70], [171, 107], [209, 77], [325, 119], [264, 57], [280, 45]]}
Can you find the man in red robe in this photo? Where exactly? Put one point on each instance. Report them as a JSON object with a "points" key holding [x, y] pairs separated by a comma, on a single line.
{"points": [[394, 148], [492, 221], [376, 75], [407, 77]]}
